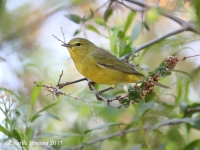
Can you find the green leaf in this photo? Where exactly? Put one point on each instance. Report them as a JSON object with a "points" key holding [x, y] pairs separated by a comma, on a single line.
{"points": [[129, 21], [149, 96], [126, 50], [145, 25], [76, 32], [194, 145], [136, 31], [196, 6], [120, 34], [75, 18], [104, 126], [38, 113], [162, 146], [99, 21], [136, 147], [3, 130], [35, 117], [35, 94], [107, 14], [16, 134], [92, 28], [90, 16], [126, 103], [163, 71], [53, 116], [134, 95], [30, 132], [113, 40]]}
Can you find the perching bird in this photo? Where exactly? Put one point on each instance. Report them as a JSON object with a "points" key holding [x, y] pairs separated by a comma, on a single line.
{"points": [[100, 66]]}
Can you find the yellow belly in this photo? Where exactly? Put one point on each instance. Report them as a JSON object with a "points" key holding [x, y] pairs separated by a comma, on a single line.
{"points": [[95, 73]]}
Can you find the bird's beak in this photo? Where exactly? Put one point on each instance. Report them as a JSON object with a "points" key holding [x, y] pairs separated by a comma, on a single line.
{"points": [[66, 45]]}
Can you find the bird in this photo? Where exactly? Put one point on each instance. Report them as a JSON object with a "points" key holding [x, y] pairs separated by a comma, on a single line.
{"points": [[99, 65]]}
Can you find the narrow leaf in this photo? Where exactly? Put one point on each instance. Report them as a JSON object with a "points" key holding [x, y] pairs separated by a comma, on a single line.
{"points": [[107, 14], [129, 21], [90, 16], [149, 96], [126, 50], [35, 94], [163, 146], [3, 130], [45, 108], [99, 21], [136, 147], [136, 31], [194, 145], [92, 28], [76, 32], [53, 116], [75, 18]]}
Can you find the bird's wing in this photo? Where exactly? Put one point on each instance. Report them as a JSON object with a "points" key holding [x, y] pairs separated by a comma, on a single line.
{"points": [[105, 59]]}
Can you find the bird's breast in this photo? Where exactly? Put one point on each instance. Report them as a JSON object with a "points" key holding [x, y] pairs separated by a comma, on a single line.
{"points": [[88, 67]]}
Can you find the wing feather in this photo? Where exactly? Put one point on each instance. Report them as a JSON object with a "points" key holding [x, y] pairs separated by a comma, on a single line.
{"points": [[105, 59]]}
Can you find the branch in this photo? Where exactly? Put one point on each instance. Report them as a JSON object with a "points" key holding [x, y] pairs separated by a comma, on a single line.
{"points": [[139, 48], [132, 9], [186, 26], [197, 109], [56, 92], [121, 133]]}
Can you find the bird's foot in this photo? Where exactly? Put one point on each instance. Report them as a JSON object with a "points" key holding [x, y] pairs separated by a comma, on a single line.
{"points": [[90, 84], [98, 95]]}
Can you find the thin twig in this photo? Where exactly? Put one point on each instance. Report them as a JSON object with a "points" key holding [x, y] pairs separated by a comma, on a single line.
{"points": [[68, 83], [60, 78], [58, 39], [139, 48], [132, 9], [56, 92], [184, 58], [101, 6], [106, 100], [63, 34]]}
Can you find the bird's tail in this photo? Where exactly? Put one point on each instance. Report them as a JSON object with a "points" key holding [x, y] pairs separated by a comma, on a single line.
{"points": [[162, 85]]}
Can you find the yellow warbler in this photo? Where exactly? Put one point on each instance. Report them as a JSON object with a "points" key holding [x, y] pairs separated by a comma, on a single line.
{"points": [[100, 66]]}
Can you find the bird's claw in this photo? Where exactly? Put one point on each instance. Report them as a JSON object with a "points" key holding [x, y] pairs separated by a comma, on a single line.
{"points": [[98, 95], [90, 84]]}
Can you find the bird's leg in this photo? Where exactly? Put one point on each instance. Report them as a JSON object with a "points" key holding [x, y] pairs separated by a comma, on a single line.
{"points": [[68, 83], [90, 84], [100, 92]]}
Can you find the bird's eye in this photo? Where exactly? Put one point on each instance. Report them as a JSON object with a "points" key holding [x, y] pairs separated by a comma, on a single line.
{"points": [[78, 44]]}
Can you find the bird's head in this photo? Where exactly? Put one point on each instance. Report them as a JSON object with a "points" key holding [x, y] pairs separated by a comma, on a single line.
{"points": [[80, 46]]}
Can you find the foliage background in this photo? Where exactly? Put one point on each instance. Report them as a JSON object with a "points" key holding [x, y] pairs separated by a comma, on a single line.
{"points": [[29, 53]]}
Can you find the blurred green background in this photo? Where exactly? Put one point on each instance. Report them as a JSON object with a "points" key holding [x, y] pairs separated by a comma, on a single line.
{"points": [[29, 53]]}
